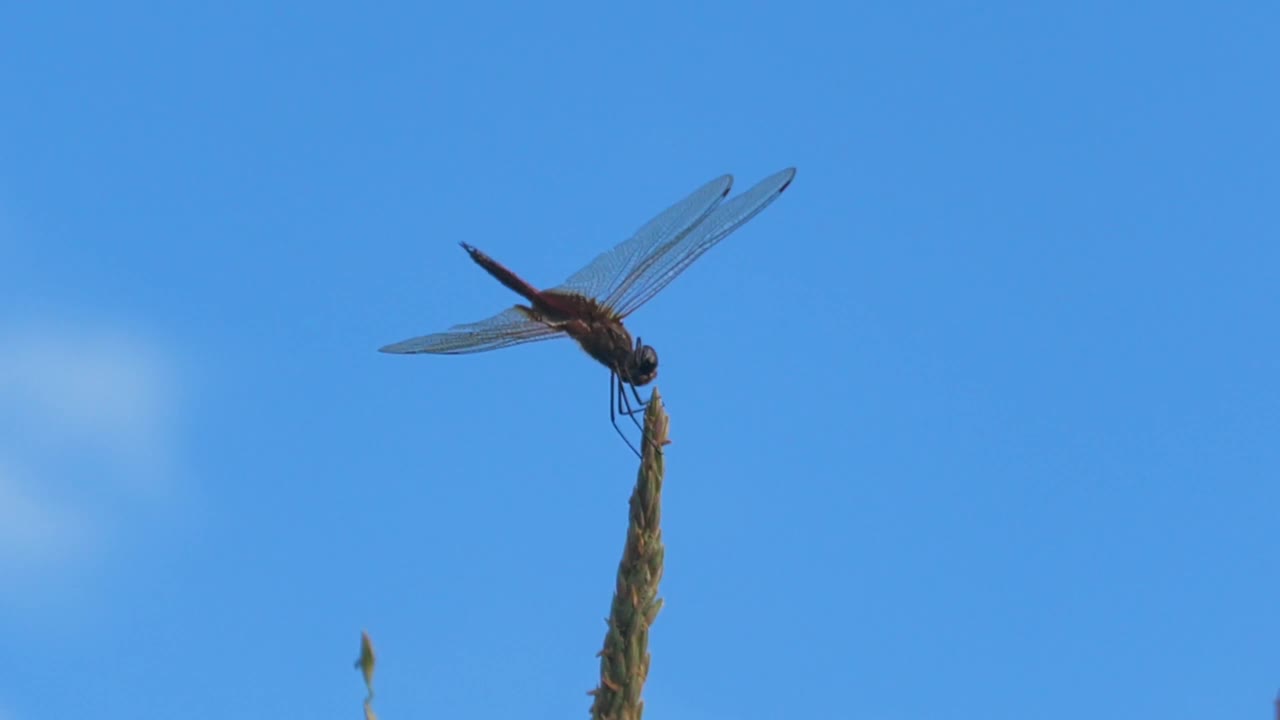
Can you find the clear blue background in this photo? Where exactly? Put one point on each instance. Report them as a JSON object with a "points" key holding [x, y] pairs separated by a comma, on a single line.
{"points": [[979, 420]]}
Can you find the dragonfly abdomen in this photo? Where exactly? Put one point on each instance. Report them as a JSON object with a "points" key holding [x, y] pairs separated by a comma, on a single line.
{"points": [[502, 274]]}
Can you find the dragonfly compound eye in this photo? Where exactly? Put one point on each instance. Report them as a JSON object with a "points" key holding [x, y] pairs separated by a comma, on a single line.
{"points": [[644, 365]]}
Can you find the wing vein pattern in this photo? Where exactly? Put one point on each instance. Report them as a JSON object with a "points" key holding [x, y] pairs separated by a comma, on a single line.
{"points": [[617, 267], [513, 326], [673, 258]]}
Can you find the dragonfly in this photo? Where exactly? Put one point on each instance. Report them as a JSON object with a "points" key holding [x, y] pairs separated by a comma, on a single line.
{"points": [[590, 306]]}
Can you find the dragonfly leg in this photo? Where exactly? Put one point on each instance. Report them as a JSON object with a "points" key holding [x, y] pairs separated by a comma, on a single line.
{"points": [[625, 408], [640, 403], [617, 399]]}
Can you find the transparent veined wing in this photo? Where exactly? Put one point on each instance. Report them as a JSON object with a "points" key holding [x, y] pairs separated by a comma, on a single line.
{"points": [[667, 260], [513, 326], [612, 268]]}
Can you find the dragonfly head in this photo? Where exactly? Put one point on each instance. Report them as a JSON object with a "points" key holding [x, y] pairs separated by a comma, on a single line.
{"points": [[641, 365]]}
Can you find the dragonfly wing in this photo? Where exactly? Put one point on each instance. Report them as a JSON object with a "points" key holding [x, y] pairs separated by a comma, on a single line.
{"points": [[514, 326], [668, 260], [612, 268]]}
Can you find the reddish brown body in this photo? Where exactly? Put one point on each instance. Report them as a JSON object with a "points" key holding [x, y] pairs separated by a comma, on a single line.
{"points": [[599, 331], [591, 304]]}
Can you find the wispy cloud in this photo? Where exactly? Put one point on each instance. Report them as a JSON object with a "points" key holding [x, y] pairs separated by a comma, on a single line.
{"points": [[86, 432], [34, 529]]}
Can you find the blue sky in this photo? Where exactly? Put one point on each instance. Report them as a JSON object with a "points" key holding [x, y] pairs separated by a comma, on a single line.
{"points": [[979, 419]]}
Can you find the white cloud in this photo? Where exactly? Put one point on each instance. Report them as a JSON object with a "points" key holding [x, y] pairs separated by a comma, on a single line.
{"points": [[86, 437], [34, 530]]}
